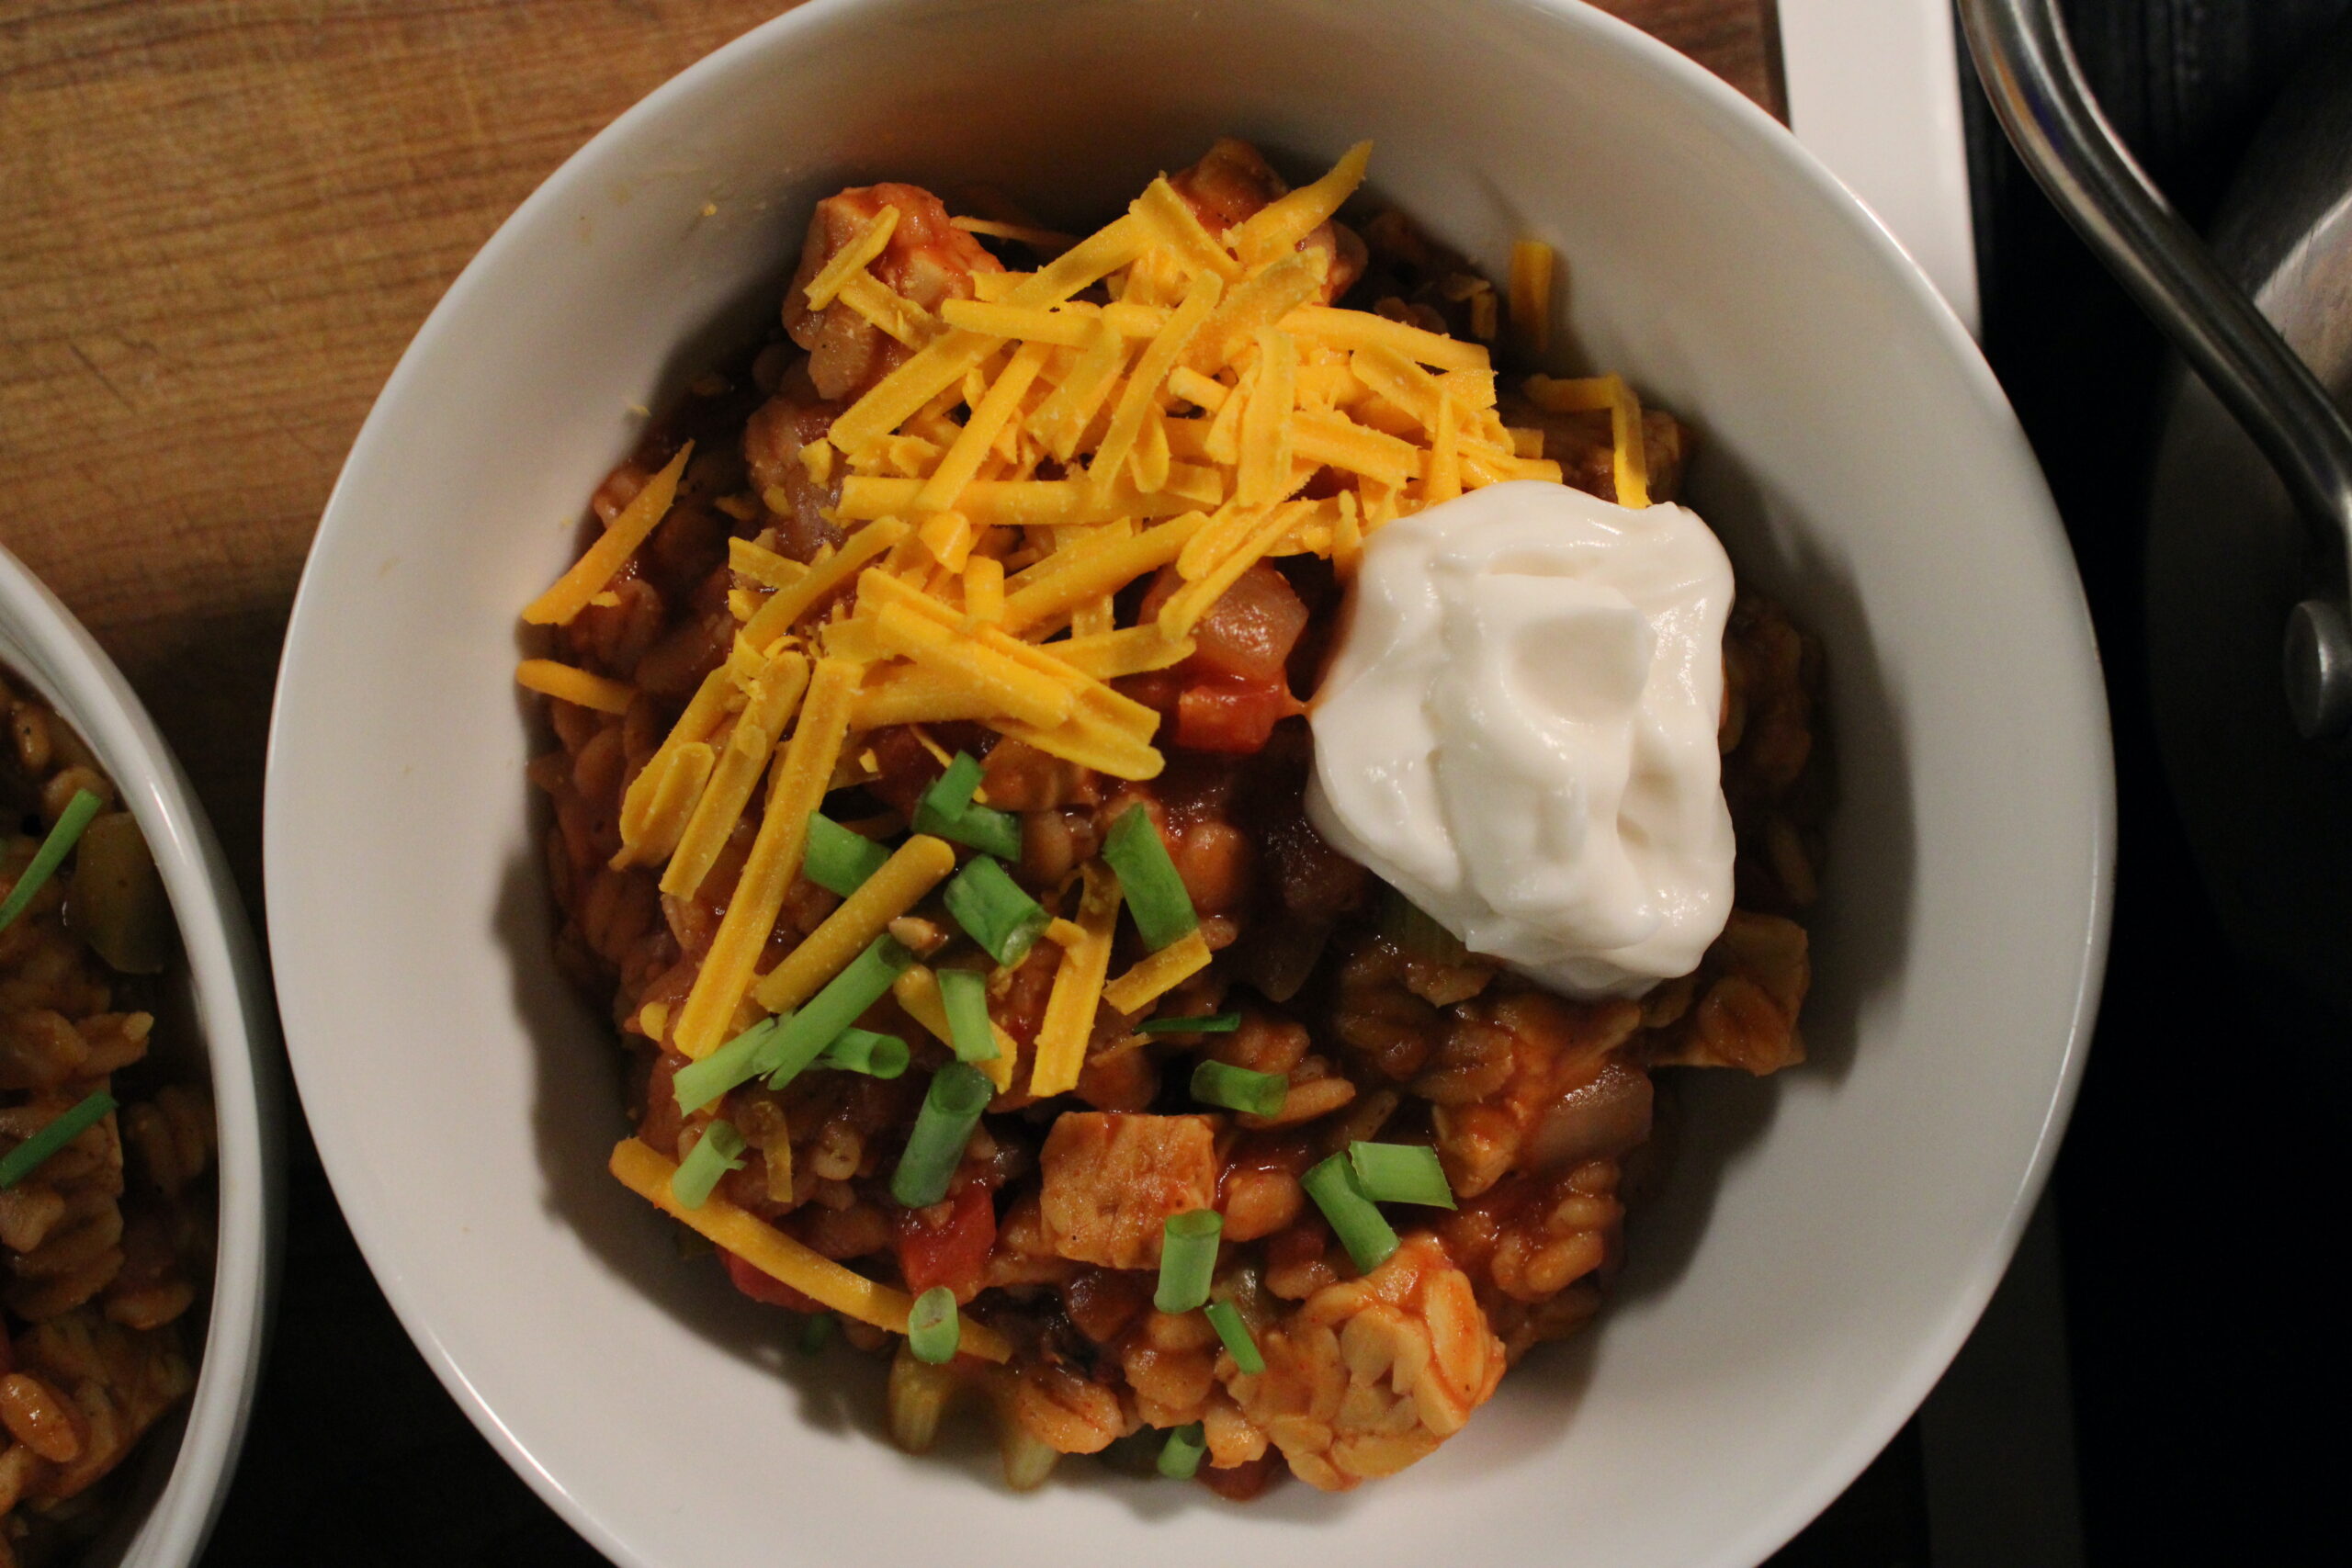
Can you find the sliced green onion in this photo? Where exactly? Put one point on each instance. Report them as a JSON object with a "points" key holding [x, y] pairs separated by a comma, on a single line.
{"points": [[1239, 1088], [52, 852], [719, 1150], [1208, 1024], [698, 1083], [994, 911], [1187, 1258], [863, 1050], [948, 811], [1400, 1173], [836, 858], [1137, 1454], [817, 1333], [951, 1109], [782, 1047], [1226, 1318], [950, 793], [1360, 1227], [964, 997], [1182, 1455], [825, 1016], [70, 1124], [933, 1327], [1134, 849]]}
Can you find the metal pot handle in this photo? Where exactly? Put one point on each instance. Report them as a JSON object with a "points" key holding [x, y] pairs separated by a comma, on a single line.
{"points": [[2037, 89]]}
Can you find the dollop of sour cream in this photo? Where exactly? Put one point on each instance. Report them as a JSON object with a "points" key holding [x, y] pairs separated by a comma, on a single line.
{"points": [[1518, 731]]}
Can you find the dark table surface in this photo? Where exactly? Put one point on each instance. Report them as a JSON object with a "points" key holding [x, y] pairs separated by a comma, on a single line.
{"points": [[2194, 1297]]}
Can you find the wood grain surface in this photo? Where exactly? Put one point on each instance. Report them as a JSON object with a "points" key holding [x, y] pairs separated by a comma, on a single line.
{"points": [[226, 219]]}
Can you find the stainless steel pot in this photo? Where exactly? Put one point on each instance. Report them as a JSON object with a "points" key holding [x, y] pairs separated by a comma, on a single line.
{"points": [[2250, 526]]}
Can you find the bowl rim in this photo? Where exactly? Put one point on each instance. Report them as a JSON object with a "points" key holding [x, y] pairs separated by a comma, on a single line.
{"points": [[1702, 94], [66, 665]]}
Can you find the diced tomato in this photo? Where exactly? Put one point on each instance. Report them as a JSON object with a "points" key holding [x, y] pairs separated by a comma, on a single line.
{"points": [[1221, 713], [954, 1255], [1247, 634], [1235, 688], [762, 1287]]}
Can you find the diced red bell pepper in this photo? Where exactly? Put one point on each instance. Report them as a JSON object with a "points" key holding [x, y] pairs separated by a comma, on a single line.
{"points": [[762, 1287], [1221, 713], [954, 1255]]}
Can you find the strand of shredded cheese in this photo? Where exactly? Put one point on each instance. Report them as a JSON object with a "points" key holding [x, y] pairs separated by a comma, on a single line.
{"points": [[1066, 579], [853, 258], [572, 591], [1278, 228], [1157, 974], [1078, 988], [742, 759], [1143, 386], [1530, 294], [764, 567], [646, 1171], [654, 820], [569, 684], [804, 768], [896, 886], [788, 604], [989, 416]]}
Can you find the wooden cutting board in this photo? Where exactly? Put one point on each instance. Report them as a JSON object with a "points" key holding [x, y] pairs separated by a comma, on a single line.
{"points": [[226, 219]]}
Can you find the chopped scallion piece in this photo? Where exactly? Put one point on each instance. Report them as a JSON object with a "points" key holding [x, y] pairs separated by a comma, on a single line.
{"points": [[52, 852], [951, 1109], [1209, 1023], [1226, 1318], [836, 858], [1400, 1173], [1360, 1227], [826, 1015], [1182, 1455], [933, 1327], [1134, 849], [950, 793], [1187, 1258], [964, 997], [948, 811], [817, 1333], [698, 1083], [718, 1151], [990, 831], [994, 911], [1239, 1088], [864, 1051], [61, 1129]]}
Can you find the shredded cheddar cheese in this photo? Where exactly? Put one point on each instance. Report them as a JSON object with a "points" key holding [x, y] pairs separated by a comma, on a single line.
{"points": [[1530, 294], [646, 1171], [574, 590], [569, 684], [743, 759], [1037, 453], [1157, 974], [1078, 987], [917, 866], [803, 770], [853, 258]]}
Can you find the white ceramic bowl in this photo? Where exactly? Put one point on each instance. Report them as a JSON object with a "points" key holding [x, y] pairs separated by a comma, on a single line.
{"points": [[1826, 1239], [183, 1466]]}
